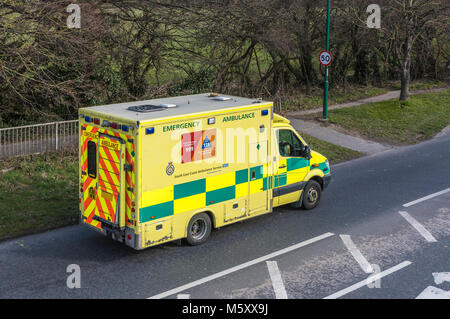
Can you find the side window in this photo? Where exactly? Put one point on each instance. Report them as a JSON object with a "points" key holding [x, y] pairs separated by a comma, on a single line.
{"points": [[298, 146], [92, 159], [289, 144], [285, 144]]}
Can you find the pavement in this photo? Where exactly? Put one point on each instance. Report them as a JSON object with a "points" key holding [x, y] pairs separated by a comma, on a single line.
{"points": [[389, 211], [338, 138], [445, 131]]}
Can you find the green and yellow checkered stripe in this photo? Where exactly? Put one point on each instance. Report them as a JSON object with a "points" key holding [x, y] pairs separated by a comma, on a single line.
{"points": [[287, 175], [203, 192]]}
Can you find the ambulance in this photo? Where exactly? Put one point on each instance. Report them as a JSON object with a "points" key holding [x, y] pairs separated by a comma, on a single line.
{"points": [[176, 168]]}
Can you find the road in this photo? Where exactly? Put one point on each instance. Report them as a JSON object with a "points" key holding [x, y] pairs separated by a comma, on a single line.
{"points": [[375, 219]]}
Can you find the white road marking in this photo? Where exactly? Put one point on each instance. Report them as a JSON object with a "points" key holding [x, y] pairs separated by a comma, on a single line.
{"points": [[241, 266], [371, 278], [418, 226], [277, 281], [434, 293], [426, 197], [362, 261], [183, 296], [441, 277]]}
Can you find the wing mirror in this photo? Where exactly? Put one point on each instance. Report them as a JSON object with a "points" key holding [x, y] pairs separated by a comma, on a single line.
{"points": [[307, 152]]}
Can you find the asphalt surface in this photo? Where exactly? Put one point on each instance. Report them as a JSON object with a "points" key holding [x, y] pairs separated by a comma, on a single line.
{"points": [[363, 201]]}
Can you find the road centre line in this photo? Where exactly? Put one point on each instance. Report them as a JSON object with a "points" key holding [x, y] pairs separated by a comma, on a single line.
{"points": [[277, 281], [241, 266], [356, 253], [369, 280], [426, 197], [419, 227]]}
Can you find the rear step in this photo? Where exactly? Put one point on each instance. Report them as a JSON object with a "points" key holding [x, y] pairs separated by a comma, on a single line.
{"points": [[107, 225]]}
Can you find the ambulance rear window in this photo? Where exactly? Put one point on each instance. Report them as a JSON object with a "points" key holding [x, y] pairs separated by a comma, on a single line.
{"points": [[92, 159]]}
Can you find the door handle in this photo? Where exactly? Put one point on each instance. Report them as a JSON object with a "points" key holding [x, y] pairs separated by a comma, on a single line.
{"points": [[282, 166]]}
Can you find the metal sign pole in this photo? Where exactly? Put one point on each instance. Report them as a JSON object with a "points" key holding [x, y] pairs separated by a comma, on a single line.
{"points": [[325, 93]]}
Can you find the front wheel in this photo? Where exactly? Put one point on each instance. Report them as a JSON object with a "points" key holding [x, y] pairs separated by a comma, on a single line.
{"points": [[199, 229], [311, 195]]}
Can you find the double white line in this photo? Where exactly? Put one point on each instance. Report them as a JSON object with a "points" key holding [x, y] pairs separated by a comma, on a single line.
{"points": [[277, 281], [418, 226], [362, 261], [241, 266], [369, 280], [426, 197]]}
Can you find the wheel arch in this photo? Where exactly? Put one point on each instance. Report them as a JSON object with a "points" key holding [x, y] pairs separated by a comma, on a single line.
{"points": [[208, 212], [317, 175], [318, 179]]}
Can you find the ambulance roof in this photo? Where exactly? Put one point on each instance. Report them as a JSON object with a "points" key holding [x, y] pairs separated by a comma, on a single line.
{"points": [[173, 106]]}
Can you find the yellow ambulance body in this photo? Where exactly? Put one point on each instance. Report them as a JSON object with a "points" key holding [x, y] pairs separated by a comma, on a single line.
{"points": [[165, 169]]}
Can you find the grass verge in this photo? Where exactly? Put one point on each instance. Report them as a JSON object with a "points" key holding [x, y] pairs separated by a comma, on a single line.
{"points": [[300, 102], [334, 153], [38, 193], [421, 85], [393, 122]]}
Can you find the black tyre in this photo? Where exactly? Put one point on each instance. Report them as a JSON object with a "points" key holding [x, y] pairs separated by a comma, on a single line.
{"points": [[311, 195], [199, 229]]}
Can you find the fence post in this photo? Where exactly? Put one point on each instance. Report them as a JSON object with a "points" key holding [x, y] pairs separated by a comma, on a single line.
{"points": [[36, 138], [56, 135]]}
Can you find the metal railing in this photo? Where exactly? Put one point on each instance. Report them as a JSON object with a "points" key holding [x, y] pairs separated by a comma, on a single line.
{"points": [[38, 138]]}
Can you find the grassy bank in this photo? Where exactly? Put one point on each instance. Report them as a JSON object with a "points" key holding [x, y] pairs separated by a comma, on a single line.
{"points": [[300, 102], [296, 101], [38, 193], [395, 123], [334, 153]]}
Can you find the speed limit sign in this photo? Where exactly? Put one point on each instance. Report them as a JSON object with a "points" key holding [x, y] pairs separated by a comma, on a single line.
{"points": [[325, 58]]}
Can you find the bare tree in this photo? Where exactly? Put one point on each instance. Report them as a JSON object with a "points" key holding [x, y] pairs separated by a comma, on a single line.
{"points": [[45, 67], [404, 21]]}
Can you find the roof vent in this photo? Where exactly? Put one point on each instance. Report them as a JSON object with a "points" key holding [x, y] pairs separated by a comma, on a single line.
{"points": [[168, 105], [150, 108], [221, 98]]}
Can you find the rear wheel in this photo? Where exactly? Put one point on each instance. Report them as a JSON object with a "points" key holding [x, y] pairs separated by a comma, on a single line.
{"points": [[312, 194], [199, 229]]}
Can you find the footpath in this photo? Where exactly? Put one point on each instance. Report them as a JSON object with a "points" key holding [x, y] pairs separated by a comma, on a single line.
{"points": [[333, 136]]}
